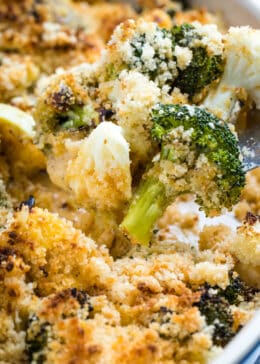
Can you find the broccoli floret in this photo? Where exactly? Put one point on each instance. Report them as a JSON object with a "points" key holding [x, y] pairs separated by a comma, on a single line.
{"points": [[78, 117], [203, 68], [198, 154], [66, 104], [215, 303], [237, 291], [242, 71], [141, 43], [36, 340], [217, 312], [182, 57], [40, 334], [149, 51]]}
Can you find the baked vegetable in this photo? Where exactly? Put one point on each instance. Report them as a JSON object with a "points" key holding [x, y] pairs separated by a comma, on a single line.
{"points": [[198, 154]]}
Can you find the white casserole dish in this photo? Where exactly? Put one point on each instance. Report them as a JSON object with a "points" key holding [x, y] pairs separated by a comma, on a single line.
{"points": [[234, 12], [245, 347]]}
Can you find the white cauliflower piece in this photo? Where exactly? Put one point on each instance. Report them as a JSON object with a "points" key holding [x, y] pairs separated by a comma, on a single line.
{"points": [[246, 245], [133, 95], [100, 173], [242, 71]]}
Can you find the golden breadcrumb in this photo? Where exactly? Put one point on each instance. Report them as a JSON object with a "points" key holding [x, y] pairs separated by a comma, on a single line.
{"points": [[89, 308], [246, 247], [46, 242], [212, 235], [250, 198]]}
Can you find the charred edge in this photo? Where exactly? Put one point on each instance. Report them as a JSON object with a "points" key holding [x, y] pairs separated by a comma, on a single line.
{"points": [[105, 114], [63, 99], [251, 219]]}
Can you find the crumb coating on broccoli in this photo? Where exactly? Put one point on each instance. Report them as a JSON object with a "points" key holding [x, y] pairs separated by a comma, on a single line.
{"points": [[214, 305], [198, 154], [189, 57], [209, 137], [203, 68]]}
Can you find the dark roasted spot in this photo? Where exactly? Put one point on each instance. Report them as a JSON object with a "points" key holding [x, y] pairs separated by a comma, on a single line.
{"points": [[251, 219], [82, 298], [44, 271], [12, 293], [63, 99], [143, 287], [9, 266], [5, 253], [152, 348], [12, 235], [36, 16], [93, 349], [164, 309], [105, 114]]}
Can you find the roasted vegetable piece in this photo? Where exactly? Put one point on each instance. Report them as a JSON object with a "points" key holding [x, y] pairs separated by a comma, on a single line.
{"points": [[204, 66], [217, 312], [242, 54], [54, 309], [198, 154], [187, 56], [100, 175], [215, 303]]}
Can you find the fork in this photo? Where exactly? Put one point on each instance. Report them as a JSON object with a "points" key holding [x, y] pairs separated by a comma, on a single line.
{"points": [[249, 140]]}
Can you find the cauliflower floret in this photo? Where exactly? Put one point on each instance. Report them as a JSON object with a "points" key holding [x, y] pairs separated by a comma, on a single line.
{"points": [[132, 97], [242, 53], [100, 173], [246, 247]]}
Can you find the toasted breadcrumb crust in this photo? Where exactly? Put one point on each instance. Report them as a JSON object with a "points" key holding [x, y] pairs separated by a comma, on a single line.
{"points": [[93, 309], [37, 38], [250, 199]]}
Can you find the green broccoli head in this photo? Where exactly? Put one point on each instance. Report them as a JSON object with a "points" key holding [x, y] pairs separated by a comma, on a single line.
{"points": [[41, 332], [203, 143], [186, 56], [237, 291], [37, 337], [214, 305], [150, 52], [198, 154], [140, 46], [203, 68], [77, 117], [217, 313]]}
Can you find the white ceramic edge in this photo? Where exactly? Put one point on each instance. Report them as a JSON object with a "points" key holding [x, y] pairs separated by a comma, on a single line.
{"points": [[243, 342], [234, 12]]}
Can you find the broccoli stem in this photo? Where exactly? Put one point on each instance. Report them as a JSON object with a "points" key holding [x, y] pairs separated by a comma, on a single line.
{"points": [[147, 206]]}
